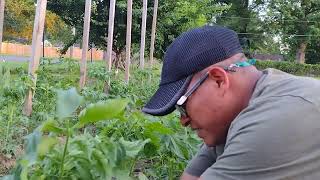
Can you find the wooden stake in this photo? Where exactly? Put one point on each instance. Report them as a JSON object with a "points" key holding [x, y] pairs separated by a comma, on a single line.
{"points": [[2, 4], [110, 33], [143, 33], [72, 47], [85, 39], [36, 51], [128, 41], [153, 31]]}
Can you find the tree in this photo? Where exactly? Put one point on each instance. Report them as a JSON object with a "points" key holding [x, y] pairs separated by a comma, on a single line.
{"points": [[312, 53], [18, 20], [18, 23], [244, 18], [56, 31], [174, 17], [297, 22]]}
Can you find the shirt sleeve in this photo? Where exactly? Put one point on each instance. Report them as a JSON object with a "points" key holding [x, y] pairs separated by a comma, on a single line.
{"points": [[271, 140], [205, 157]]}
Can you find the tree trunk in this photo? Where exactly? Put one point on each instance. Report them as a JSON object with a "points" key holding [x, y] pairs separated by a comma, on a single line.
{"points": [[128, 41], [37, 36], [301, 52], [153, 33], [2, 4], [85, 40], [143, 33]]}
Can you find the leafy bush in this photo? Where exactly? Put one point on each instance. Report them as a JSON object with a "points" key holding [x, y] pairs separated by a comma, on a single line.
{"points": [[126, 144], [292, 68], [164, 146]]}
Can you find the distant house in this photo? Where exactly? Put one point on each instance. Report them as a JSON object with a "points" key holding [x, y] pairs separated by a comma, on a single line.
{"points": [[272, 57]]}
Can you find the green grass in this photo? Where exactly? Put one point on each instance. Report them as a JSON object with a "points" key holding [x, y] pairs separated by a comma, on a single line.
{"points": [[13, 65]]}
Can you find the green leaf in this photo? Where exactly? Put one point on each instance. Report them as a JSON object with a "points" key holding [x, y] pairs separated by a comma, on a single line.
{"points": [[33, 141], [120, 174], [7, 77], [141, 176], [102, 111], [83, 170], [52, 126], [101, 162], [133, 148], [8, 177], [24, 174], [178, 147], [45, 145], [68, 101], [30, 157], [158, 127]]}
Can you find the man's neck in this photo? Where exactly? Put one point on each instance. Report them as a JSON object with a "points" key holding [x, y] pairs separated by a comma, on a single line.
{"points": [[254, 76]]}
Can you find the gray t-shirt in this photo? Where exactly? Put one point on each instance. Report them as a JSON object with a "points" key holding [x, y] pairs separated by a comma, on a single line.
{"points": [[276, 137]]}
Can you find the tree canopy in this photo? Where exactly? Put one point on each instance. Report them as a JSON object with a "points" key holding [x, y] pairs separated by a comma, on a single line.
{"points": [[288, 27], [19, 18], [174, 17], [297, 24]]}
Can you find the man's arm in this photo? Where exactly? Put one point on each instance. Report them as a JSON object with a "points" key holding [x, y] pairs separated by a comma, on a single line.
{"points": [[186, 176], [200, 163]]}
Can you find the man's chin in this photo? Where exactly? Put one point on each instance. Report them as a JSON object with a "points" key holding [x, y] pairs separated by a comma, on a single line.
{"points": [[212, 142], [209, 143]]}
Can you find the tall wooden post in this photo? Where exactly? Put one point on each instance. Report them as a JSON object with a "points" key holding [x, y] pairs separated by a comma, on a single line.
{"points": [[71, 47], [2, 4], [143, 33], [36, 51], [153, 31], [110, 33], [85, 39], [128, 41]]}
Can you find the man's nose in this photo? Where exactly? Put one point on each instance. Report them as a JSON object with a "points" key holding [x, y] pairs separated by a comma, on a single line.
{"points": [[185, 121]]}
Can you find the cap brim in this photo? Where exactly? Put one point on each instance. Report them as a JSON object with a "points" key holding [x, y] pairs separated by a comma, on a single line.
{"points": [[164, 100]]}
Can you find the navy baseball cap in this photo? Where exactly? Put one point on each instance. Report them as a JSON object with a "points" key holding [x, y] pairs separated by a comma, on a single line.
{"points": [[190, 53]]}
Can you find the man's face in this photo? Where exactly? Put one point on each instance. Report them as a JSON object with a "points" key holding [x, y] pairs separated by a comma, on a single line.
{"points": [[211, 108]]}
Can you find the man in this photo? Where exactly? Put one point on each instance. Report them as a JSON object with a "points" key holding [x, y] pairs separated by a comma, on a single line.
{"points": [[254, 124]]}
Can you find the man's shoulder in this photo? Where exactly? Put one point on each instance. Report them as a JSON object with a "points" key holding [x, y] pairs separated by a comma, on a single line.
{"points": [[275, 115], [280, 99], [276, 131], [276, 84]]}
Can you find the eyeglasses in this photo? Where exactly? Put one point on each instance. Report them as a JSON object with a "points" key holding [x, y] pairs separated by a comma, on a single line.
{"points": [[181, 103], [180, 106]]}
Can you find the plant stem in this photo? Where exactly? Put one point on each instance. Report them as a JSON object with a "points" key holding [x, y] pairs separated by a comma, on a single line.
{"points": [[132, 166], [65, 150], [170, 169], [9, 124]]}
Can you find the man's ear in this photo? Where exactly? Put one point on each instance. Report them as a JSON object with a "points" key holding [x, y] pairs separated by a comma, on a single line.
{"points": [[220, 76]]}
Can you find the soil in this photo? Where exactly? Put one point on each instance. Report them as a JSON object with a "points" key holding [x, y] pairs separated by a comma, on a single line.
{"points": [[6, 164]]}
